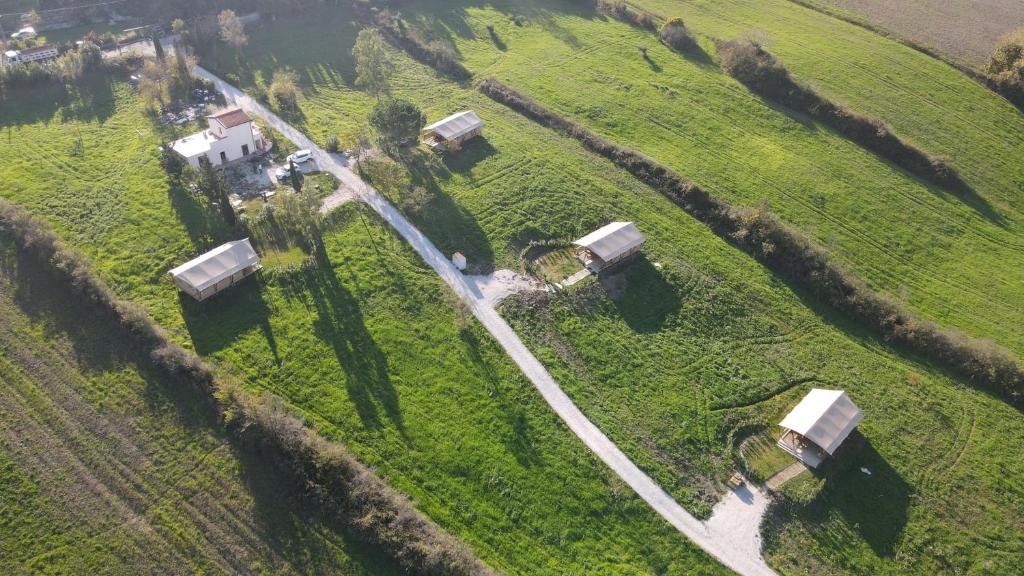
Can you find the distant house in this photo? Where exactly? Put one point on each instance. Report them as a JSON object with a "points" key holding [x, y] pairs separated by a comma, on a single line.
{"points": [[610, 245], [230, 135], [216, 270], [34, 54], [452, 132], [818, 425]]}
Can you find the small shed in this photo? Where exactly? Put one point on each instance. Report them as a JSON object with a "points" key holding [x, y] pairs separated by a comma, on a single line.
{"points": [[609, 245], [459, 260], [216, 270], [452, 132], [819, 424]]}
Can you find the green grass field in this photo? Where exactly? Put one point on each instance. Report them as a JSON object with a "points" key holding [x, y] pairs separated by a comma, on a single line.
{"points": [[956, 261], [107, 468], [669, 361], [366, 345]]}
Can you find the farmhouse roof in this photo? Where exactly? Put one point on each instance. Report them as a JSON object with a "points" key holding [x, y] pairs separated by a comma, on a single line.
{"points": [[36, 50], [217, 264], [612, 241], [458, 124], [231, 117], [194, 144], [825, 417]]}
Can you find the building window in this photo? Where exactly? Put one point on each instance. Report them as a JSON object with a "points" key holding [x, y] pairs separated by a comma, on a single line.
{"points": [[223, 157], [245, 149]]}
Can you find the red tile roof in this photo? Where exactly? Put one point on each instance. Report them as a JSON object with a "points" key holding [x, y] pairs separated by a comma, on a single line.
{"points": [[231, 117]]}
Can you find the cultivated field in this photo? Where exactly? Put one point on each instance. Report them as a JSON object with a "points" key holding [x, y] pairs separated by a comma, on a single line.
{"points": [[366, 344], [108, 468], [966, 31], [670, 360]]}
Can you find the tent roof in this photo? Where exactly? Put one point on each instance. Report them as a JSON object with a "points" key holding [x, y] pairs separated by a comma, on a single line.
{"points": [[825, 417], [231, 117], [217, 264], [456, 125], [612, 241]]}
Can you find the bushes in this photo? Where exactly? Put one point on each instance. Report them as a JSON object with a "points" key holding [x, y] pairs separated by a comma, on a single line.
{"points": [[438, 55], [761, 72], [332, 144], [284, 91], [675, 35], [620, 10], [1005, 70], [792, 255], [345, 488]]}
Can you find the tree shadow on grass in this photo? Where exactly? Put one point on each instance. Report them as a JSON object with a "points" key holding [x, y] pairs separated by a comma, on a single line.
{"points": [[643, 297], [875, 506], [472, 153], [520, 440], [285, 516], [217, 322], [340, 323], [449, 226], [204, 224]]}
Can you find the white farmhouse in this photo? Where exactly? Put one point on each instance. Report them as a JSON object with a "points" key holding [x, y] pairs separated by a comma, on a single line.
{"points": [[231, 135]]}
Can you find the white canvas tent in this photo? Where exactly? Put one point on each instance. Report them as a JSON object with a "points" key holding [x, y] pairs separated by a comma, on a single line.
{"points": [[452, 131], [216, 270], [611, 244], [823, 417]]}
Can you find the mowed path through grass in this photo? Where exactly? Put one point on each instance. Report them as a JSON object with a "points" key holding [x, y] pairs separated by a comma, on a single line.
{"points": [[657, 356], [106, 467], [956, 261], [366, 345]]}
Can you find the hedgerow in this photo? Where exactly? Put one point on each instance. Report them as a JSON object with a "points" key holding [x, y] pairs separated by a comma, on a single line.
{"points": [[438, 56], [324, 469], [755, 67], [794, 256], [620, 10]]}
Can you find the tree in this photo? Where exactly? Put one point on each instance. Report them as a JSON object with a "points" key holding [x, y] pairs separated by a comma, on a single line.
{"points": [[300, 215], [674, 34], [284, 92], [373, 67], [31, 19], [215, 187], [295, 175], [232, 31], [158, 47], [397, 122], [153, 81]]}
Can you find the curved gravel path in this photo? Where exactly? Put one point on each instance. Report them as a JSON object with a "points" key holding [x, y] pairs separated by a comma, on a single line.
{"points": [[721, 540]]}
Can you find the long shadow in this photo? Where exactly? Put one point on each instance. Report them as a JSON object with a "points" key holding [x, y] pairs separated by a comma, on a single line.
{"points": [[643, 297], [655, 67], [91, 99], [498, 42], [285, 514], [876, 506], [216, 323], [205, 226], [340, 323], [451, 227], [474, 152]]}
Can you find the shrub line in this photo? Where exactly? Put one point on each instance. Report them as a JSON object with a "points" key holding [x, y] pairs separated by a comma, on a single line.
{"points": [[323, 469], [791, 254], [756, 68]]}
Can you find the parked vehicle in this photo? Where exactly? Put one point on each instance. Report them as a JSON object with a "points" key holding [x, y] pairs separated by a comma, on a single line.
{"points": [[301, 156], [27, 32], [282, 173]]}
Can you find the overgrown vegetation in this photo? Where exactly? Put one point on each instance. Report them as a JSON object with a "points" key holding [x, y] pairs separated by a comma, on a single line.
{"points": [[751, 64], [792, 254], [325, 469], [1006, 67], [674, 33]]}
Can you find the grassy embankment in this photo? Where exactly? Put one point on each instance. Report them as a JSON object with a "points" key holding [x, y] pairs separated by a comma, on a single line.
{"points": [[658, 356], [367, 347]]}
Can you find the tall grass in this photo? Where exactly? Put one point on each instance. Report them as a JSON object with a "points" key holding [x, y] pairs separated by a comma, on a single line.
{"points": [[326, 470], [793, 255]]}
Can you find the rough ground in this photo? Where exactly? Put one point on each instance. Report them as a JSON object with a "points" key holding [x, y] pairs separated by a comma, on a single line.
{"points": [[966, 30], [495, 287]]}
